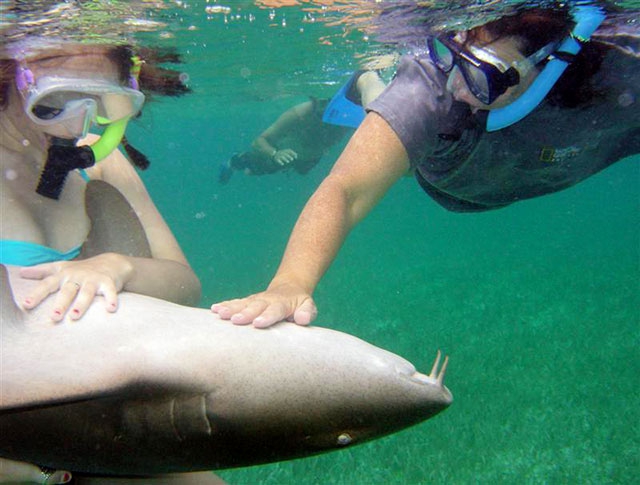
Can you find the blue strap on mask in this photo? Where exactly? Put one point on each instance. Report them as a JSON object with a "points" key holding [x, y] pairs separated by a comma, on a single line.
{"points": [[587, 18]]}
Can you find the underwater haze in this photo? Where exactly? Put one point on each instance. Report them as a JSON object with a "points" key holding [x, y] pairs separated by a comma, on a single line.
{"points": [[537, 304]]}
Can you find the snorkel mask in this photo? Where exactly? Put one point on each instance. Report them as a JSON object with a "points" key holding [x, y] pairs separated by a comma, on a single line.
{"points": [[486, 75], [65, 108], [587, 19]]}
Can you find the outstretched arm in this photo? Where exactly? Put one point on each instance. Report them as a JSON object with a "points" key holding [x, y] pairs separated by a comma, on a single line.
{"points": [[373, 160], [268, 143]]}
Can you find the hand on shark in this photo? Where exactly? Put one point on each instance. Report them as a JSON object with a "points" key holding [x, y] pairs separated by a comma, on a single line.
{"points": [[77, 283], [18, 472], [277, 303]]}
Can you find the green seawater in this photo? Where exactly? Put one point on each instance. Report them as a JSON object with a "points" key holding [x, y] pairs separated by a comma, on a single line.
{"points": [[537, 304]]}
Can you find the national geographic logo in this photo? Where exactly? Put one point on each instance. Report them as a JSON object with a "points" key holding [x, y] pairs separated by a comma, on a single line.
{"points": [[557, 155]]}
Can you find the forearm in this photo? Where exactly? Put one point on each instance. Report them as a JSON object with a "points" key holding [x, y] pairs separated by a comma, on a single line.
{"points": [[262, 146], [373, 160], [317, 237], [164, 279], [267, 142]]}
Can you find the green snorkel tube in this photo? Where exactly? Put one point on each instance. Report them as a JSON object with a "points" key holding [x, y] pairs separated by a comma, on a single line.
{"points": [[588, 18], [110, 139], [64, 156]]}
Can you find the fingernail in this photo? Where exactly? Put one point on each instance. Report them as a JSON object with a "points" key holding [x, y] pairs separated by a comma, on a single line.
{"points": [[55, 476]]}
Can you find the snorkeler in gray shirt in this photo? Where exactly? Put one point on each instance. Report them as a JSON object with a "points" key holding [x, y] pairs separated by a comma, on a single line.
{"points": [[465, 166], [518, 107]]}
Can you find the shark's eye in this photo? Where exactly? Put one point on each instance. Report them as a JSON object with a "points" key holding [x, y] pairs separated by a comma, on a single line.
{"points": [[344, 439]]}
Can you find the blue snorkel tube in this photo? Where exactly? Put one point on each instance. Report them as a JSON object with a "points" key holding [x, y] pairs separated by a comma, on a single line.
{"points": [[587, 18]]}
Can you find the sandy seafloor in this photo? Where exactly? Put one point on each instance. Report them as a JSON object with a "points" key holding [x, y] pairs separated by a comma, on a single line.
{"points": [[537, 304]]}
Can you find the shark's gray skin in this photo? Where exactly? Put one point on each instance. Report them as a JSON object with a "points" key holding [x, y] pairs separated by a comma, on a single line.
{"points": [[160, 388]]}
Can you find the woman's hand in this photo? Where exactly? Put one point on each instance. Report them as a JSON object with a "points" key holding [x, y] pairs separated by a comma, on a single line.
{"points": [[277, 303], [77, 283], [18, 472], [285, 156]]}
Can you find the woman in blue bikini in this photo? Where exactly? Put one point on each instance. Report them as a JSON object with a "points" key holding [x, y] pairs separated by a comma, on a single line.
{"points": [[49, 96]]}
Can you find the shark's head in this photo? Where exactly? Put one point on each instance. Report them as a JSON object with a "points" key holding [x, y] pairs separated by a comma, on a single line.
{"points": [[327, 400], [400, 399]]}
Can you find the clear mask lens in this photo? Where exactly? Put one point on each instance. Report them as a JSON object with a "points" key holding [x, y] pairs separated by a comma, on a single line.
{"points": [[477, 82], [55, 100], [74, 121]]}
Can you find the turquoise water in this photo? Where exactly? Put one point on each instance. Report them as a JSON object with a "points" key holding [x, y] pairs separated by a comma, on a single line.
{"points": [[537, 305]]}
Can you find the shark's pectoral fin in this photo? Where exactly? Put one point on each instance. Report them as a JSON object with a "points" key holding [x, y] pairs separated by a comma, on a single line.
{"points": [[115, 227]]}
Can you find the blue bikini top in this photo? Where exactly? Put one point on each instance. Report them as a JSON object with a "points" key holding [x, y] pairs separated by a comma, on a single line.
{"points": [[24, 253]]}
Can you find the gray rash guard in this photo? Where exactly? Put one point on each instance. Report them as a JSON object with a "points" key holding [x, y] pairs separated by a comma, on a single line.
{"points": [[465, 168]]}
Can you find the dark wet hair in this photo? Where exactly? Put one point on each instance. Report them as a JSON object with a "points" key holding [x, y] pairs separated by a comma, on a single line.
{"points": [[536, 28], [153, 78]]}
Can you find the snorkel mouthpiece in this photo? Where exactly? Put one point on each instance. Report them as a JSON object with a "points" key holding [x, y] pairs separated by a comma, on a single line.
{"points": [[64, 156], [587, 18]]}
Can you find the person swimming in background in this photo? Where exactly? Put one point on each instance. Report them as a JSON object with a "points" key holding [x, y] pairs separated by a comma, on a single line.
{"points": [[526, 105], [301, 136]]}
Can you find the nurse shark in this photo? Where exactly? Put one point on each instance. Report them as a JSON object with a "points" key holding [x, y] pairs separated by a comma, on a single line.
{"points": [[159, 388]]}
